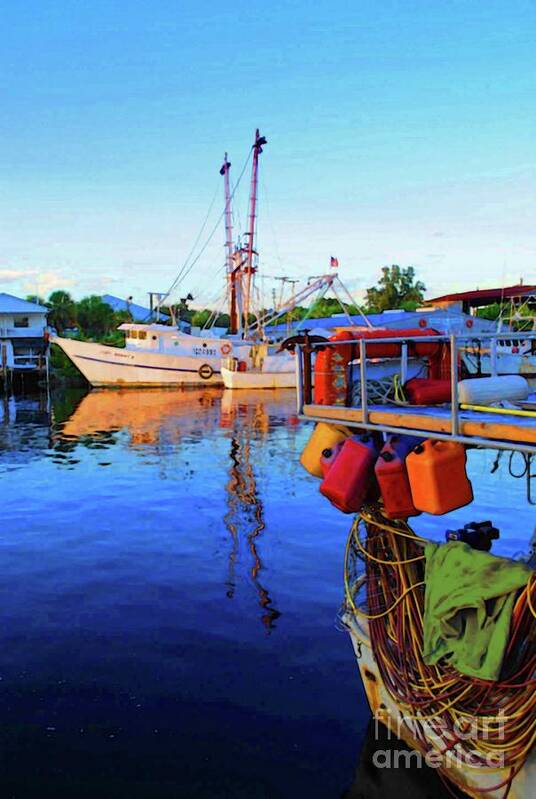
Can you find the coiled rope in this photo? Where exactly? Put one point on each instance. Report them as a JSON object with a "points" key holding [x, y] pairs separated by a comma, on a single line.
{"points": [[501, 715]]}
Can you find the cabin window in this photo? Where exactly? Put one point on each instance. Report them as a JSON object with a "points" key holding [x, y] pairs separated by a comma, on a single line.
{"points": [[155, 338], [133, 334], [22, 321], [142, 335], [127, 333]]}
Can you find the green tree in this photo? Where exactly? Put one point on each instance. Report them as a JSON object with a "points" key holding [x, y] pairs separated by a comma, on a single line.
{"points": [[95, 317], [200, 318], [397, 288], [62, 310], [35, 298], [492, 312], [328, 306]]}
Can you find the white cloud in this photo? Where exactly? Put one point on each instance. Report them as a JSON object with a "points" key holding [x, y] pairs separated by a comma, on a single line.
{"points": [[45, 282], [34, 281], [14, 275]]}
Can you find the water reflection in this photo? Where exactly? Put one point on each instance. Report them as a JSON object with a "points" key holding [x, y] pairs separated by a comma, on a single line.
{"points": [[158, 422], [245, 516], [24, 427], [128, 516], [387, 767], [150, 417]]}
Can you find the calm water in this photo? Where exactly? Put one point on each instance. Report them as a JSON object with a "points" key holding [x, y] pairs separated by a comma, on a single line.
{"points": [[170, 585]]}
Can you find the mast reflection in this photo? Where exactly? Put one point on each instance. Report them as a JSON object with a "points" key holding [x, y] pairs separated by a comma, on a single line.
{"points": [[245, 514]]}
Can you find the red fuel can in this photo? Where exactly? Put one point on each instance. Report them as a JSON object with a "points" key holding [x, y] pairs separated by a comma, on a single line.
{"points": [[392, 476], [351, 476], [329, 456]]}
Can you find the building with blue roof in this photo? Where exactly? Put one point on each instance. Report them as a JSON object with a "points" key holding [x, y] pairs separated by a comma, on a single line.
{"points": [[138, 312], [442, 319]]}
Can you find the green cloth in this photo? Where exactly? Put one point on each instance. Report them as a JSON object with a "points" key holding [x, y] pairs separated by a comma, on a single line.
{"points": [[468, 606]]}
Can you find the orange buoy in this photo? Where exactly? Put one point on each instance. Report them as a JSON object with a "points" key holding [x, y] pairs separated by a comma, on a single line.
{"points": [[438, 478]]}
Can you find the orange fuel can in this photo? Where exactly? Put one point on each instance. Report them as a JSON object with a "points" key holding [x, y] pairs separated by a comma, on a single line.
{"points": [[392, 476], [438, 477], [325, 436]]}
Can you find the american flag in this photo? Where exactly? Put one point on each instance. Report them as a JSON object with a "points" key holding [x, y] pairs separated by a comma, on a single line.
{"points": [[334, 262]]}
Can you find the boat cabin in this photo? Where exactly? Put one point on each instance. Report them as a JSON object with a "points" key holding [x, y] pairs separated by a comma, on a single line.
{"points": [[169, 340]]}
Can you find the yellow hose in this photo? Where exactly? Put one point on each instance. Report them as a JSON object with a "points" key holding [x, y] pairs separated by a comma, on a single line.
{"points": [[505, 411]]}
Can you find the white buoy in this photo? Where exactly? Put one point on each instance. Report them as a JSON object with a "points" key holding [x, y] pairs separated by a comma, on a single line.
{"points": [[486, 390]]}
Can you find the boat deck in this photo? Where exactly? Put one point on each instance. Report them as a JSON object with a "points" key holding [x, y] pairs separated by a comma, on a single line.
{"points": [[496, 429]]}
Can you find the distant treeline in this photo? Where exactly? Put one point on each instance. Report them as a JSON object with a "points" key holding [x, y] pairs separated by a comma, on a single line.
{"points": [[396, 288], [89, 318], [92, 318]]}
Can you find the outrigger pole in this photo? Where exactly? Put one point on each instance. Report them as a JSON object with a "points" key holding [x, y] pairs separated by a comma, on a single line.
{"points": [[249, 267], [233, 268]]}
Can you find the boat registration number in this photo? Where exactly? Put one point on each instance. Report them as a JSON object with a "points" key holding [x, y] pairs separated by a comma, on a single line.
{"points": [[205, 351]]}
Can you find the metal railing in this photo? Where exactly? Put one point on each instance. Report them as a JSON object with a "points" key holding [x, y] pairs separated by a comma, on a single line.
{"points": [[304, 372]]}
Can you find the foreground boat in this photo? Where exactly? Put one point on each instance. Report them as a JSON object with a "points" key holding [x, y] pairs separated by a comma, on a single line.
{"points": [[446, 652]]}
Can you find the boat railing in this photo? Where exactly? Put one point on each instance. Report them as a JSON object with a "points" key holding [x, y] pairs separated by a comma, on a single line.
{"points": [[503, 430]]}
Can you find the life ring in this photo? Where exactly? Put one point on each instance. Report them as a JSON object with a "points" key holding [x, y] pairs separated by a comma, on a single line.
{"points": [[225, 349], [469, 323], [205, 371], [422, 322]]}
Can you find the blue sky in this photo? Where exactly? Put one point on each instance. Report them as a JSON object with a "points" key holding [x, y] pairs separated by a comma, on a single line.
{"points": [[399, 132]]}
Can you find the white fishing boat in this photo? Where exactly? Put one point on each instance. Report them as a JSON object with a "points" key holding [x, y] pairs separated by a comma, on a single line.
{"points": [[154, 355], [269, 371], [162, 355]]}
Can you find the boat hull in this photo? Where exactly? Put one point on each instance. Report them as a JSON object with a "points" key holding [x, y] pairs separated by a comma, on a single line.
{"points": [[254, 379], [105, 366], [385, 711]]}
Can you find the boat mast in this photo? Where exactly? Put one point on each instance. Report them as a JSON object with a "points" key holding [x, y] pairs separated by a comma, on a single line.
{"points": [[232, 271], [249, 268]]}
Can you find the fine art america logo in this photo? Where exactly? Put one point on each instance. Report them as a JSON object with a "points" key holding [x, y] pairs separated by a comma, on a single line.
{"points": [[450, 746]]}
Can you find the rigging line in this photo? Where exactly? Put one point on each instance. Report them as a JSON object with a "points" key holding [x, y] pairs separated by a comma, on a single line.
{"points": [[343, 306], [185, 272], [196, 242], [235, 211], [216, 311], [165, 297], [354, 303], [321, 294], [270, 221], [207, 242], [198, 287]]}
